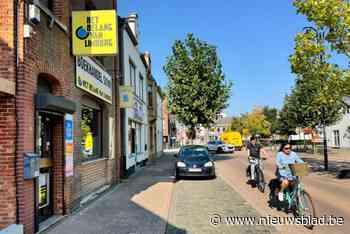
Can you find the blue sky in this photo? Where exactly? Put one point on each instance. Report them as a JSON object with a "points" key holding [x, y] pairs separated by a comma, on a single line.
{"points": [[254, 39]]}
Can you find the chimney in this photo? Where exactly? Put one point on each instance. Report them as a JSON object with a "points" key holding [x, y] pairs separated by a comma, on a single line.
{"points": [[133, 23], [147, 57]]}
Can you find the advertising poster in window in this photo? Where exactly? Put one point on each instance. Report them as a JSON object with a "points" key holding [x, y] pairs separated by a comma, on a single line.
{"points": [[44, 190], [68, 138], [93, 79], [94, 32]]}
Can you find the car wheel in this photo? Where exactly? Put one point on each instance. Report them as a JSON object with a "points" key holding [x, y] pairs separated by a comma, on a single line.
{"points": [[219, 150], [176, 177]]}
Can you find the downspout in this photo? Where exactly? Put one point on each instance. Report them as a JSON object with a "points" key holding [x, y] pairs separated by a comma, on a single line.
{"points": [[15, 43], [122, 160]]}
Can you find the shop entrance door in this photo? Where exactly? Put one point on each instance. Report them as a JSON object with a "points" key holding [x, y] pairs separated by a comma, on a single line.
{"points": [[45, 181]]}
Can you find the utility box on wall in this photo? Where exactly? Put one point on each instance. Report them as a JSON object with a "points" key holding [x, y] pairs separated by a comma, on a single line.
{"points": [[31, 165]]}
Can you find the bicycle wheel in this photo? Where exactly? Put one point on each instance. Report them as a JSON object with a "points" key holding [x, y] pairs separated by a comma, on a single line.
{"points": [[260, 180], [306, 207]]}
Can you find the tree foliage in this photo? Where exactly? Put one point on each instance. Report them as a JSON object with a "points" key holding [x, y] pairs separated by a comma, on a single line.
{"points": [[197, 88], [286, 123], [317, 96], [333, 16], [253, 123], [271, 115]]}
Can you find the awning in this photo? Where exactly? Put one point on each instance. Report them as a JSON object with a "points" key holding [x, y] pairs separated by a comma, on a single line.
{"points": [[54, 103]]}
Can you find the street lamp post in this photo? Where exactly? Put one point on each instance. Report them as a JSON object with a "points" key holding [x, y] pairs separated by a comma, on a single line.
{"points": [[320, 39]]}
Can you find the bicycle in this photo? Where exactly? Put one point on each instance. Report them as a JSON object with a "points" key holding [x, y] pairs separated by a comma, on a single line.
{"points": [[258, 179], [297, 199]]}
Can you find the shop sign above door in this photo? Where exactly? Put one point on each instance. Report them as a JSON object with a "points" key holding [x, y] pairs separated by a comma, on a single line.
{"points": [[93, 79], [94, 32]]}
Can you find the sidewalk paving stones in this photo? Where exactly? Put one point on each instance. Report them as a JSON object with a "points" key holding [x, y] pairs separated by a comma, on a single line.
{"points": [[139, 205]]}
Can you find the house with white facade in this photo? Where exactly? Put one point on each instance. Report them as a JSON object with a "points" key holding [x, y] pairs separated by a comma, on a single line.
{"points": [[222, 124], [338, 134], [159, 122], [133, 73]]}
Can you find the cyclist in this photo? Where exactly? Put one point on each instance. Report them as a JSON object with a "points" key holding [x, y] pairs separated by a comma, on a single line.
{"points": [[284, 157], [254, 151]]}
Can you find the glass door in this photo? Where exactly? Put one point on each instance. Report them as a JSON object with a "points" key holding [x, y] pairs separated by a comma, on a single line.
{"points": [[44, 149]]}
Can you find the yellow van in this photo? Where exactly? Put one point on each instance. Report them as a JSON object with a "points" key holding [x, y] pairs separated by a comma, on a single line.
{"points": [[232, 138]]}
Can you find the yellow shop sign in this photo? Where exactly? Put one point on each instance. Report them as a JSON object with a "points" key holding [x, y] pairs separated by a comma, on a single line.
{"points": [[94, 32]]}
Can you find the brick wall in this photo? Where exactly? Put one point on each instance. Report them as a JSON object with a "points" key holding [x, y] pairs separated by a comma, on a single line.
{"points": [[93, 176], [7, 161], [7, 118], [7, 60], [47, 53], [58, 169], [165, 118]]}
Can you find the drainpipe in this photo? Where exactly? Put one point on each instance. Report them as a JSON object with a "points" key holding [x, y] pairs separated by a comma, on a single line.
{"points": [[15, 43]]}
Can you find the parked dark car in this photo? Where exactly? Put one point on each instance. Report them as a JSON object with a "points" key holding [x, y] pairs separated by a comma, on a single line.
{"points": [[194, 161]]}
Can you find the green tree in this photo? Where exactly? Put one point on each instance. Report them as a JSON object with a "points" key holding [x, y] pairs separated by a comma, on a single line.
{"points": [[257, 124], [237, 124], [287, 118], [320, 85], [197, 88], [333, 16], [253, 123], [271, 115], [317, 96]]}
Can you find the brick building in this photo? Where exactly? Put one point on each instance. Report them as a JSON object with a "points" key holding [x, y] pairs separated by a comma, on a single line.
{"points": [[38, 95], [169, 125]]}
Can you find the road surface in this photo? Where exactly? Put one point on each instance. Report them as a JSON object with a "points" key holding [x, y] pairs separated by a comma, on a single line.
{"points": [[331, 196]]}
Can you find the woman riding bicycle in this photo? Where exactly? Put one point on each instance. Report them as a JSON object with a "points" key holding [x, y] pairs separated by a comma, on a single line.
{"points": [[284, 157]]}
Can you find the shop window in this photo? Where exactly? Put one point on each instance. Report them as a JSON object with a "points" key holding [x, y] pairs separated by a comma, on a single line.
{"points": [[132, 138], [139, 149], [91, 133]]}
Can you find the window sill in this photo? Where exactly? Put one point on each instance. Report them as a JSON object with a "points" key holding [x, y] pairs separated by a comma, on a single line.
{"points": [[87, 161]]}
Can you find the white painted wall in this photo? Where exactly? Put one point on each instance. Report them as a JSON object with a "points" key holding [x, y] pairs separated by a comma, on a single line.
{"points": [[344, 134], [159, 125], [132, 53]]}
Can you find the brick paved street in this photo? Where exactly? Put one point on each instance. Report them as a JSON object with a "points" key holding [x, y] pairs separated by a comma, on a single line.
{"points": [[142, 205], [195, 201]]}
